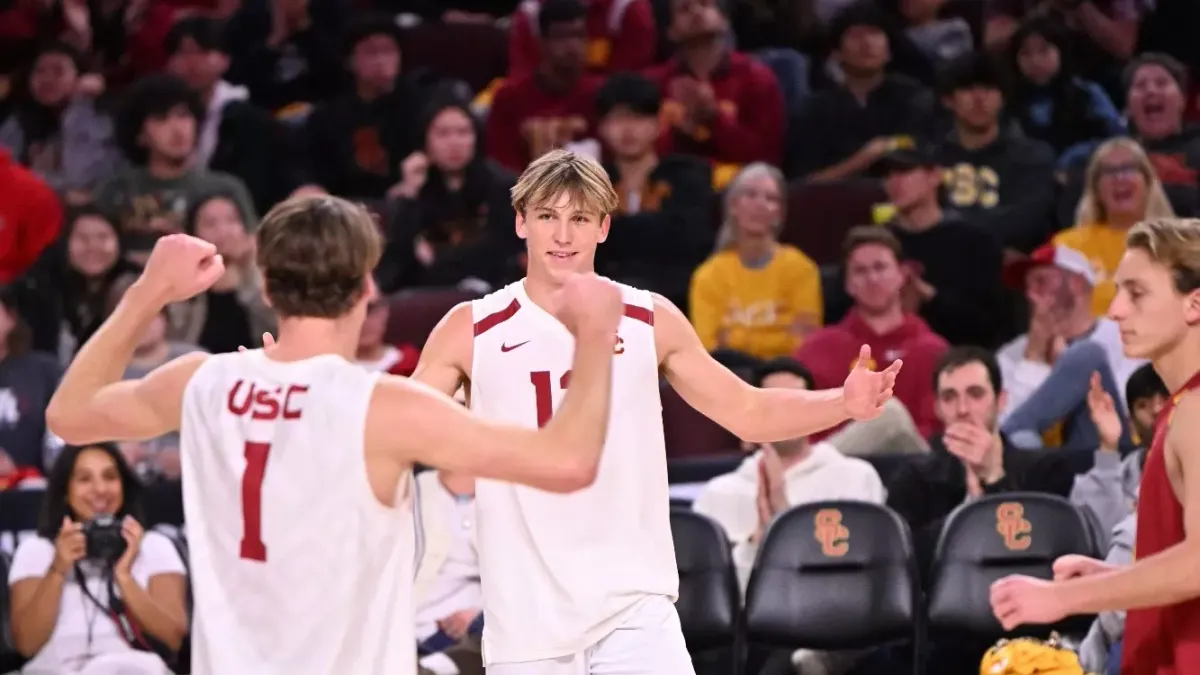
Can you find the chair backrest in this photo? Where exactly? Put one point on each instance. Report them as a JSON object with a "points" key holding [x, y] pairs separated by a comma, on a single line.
{"points": [[708, 590], [820, 214], [993, 537], [833, 575], [415, 313], [687, 433]]}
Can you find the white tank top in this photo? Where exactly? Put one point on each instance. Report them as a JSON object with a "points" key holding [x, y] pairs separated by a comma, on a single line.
{"points": [[296, 567], [560, 571]]}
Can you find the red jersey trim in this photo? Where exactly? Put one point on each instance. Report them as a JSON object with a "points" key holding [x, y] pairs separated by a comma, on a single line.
{"points": [[496, 318], [642, 314]]}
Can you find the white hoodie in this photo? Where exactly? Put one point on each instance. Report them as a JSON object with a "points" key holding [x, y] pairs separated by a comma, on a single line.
{"points": [[824, 474]]}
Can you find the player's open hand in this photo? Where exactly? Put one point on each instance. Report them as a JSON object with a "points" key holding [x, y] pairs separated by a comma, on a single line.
{"points": [[589, 304], [865, 390], [181, 266]]}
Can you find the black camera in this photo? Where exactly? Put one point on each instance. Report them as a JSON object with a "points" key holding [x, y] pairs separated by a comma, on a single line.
{"points": [[103, 537]]}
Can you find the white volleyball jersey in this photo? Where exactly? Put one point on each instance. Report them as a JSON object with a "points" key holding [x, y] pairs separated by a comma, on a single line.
{"points": [[560, 571], [297, 569]]}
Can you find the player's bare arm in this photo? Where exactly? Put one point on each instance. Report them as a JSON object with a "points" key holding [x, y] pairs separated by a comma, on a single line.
{"points": [[446, 356], [751, 413], [92, 403], [419, 424]]}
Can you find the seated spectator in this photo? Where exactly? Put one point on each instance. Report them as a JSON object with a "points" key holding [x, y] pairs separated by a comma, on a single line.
{"points": [[661, 230], [953, 266], [754, 295], [971, 457], [453, 220], [719, 103], [930, 40], [844, 130], [550, 107], [357, 141], [994, 177], [65, 618], [157, 131], [620, 37], [233, 312], [874, 279], [58, 129], [31, 221], [447, 591], [27, 381], [1110, 488], [1121, 189], [234, 135], [1052, 103], [1047, 369], [376, 355]]}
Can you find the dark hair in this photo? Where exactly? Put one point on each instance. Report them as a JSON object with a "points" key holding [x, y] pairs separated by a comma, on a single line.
{"points": [[863, 235], [969, 71], [193, 210], [368, 25], [20, 338], [38, 122], [957, 357], [437, 206], [208, 34], [154, 96], [86, 303], [1174, 68], [631, 91], [1144, 383], [555, 12], [781, 364], [861, 13], [54, 503]]}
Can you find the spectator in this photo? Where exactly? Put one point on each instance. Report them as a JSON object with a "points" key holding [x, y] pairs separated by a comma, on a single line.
{"points": [[952, 267], [156, 130], [233, 135], [1121, 189], [64, 614], [27, 380], [453, 219], [754, 295], [719, 104], [58, 129], [620, 37], [31, 217], [233, 312], [935, 41], [661, 230], [127, 39], [971, 457], [1048, 368], [374, 353], [874, 279], [781, 475], [552, 106], [843, 131], [995, 178], [357, 141], [1052, 103]]}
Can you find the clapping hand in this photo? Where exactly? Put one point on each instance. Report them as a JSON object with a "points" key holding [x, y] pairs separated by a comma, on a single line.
{"points": [[1104, 415]]}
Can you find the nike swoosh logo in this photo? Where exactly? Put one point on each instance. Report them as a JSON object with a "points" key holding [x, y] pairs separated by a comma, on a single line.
{"points": [[506, 348]]}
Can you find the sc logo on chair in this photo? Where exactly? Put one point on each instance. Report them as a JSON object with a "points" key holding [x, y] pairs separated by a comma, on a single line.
{"points": [[1014, 529], [829, 531]]}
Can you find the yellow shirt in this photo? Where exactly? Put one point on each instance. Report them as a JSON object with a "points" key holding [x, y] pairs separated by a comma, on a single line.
{"points": [[1103, 246], [756, 311]]}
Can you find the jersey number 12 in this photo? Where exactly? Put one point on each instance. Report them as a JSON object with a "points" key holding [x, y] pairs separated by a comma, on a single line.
{"points": [[540, 379], [252, 547]]}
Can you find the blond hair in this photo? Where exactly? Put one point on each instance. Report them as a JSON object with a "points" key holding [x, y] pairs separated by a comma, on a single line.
{"points": [[1091, 209], [1173, 243], [562, 171], [728, 232]]}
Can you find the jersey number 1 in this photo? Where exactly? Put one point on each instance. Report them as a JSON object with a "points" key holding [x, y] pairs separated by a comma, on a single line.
{"points": [[252, 547], [544, 397]]}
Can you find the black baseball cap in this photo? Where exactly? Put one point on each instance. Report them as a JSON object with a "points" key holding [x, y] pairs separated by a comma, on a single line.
{"points": [[907, 157]]}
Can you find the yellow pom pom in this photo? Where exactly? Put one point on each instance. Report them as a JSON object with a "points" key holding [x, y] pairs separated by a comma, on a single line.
{"points": [[1027, 656]]}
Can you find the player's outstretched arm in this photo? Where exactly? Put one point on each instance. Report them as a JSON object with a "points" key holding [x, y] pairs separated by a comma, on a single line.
{"points": [[92, 404], [420, 425], [753, 414]]}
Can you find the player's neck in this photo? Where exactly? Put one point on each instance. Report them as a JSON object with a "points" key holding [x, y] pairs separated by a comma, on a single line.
{"points": [[541, 288], [304, 338], [1181, 363]]}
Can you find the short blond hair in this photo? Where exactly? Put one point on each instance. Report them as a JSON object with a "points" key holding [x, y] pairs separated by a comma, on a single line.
{"points": [[1173, 243], [559, 171]]}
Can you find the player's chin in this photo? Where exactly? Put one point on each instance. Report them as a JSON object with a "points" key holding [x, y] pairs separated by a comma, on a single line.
{"points": [[561, 266]]}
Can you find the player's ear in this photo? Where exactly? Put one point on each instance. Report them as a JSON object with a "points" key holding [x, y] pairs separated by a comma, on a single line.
{"points": [[1191, 310], [522, 231], [605, 223]]}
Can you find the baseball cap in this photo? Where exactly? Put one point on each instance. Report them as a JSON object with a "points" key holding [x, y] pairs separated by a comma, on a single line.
{"points": [[905, 156], [1062, 257]]}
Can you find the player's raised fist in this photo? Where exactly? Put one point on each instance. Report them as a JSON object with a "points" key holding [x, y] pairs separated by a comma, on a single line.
{"points": [[588, 303], [181, 266]]}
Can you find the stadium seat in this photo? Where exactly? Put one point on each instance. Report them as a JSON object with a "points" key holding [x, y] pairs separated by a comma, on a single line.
{"points": [[477, 55], [415, 313], [708, 590], [690, 434], [993, 537], [819, 214], [834, 575], [163, 504], [10, 660], [1101, 536]]}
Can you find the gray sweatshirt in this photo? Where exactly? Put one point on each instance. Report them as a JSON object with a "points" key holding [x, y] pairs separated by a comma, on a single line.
{"points": [[1110, 488], [1109, 627]]}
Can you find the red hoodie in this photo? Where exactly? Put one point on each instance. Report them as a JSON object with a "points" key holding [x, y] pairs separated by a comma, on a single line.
{"points": [[30, 217], [830, 353]]}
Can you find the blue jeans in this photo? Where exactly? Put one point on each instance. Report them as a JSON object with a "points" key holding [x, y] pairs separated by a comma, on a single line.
{"points": [[791, 70], [1114, 659]]}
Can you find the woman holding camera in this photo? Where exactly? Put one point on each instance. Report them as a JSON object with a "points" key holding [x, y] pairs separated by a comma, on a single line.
{"points": [[94, 591]]}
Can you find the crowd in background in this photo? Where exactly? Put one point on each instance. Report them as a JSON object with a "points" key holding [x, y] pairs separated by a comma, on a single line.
{"points": [[992, 153]]}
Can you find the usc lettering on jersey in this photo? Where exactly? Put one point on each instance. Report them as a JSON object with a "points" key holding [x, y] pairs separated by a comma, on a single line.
{"points": [[296, 567], [561, 571]]}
